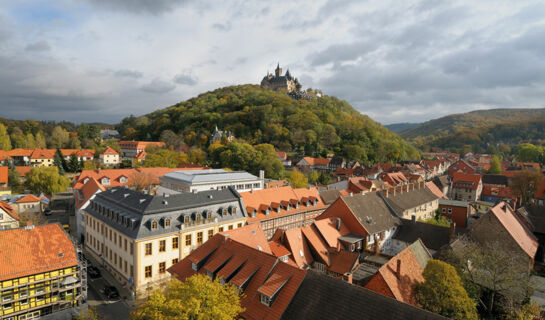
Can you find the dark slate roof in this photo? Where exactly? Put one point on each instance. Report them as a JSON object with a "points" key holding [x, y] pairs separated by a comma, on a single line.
{"points": [[142, 209], [434, 237], [495, 179], [336, 161], [324, 297], [372, 212], [329, 196], [441, 181], [536, 215], [402, 201]]}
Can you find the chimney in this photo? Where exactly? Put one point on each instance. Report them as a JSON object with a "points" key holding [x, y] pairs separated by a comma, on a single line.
{"points": [[452, 231], [398, 269], [339, 224], [261, 175]]}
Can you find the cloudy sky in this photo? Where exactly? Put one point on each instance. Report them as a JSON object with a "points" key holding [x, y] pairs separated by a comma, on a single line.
{"points": [[397, 61]]}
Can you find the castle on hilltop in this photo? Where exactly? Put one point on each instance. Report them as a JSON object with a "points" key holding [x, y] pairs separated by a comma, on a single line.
{"points": [[279, 82]]}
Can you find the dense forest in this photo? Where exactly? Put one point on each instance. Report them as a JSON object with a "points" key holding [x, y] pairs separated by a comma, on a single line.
{"points": [[313, 127], [480, 131], [401, 127]]}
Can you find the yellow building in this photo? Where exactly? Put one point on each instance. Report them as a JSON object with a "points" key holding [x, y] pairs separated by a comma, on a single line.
{"points": [[138, 236], [39, 273]]}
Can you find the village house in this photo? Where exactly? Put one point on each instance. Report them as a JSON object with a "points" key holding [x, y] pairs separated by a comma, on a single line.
{"points": [[399, 277], [131, 148], [42, 157], [212, 179], [465, 186], [28, 204], [283, 207], [273, 289], [308, 163], [461, 166], [442, 183], [82, 198], [138, 236], [22, 172], [40, 273], [496, 194], [456, 211], [336, 163], [283, 157], [412, 200], [109, 157], [393, 178], [81, 154], [370, 220], [9, 219]]}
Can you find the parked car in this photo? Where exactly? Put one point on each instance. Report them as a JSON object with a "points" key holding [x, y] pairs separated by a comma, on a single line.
{"points": [[111, 292], [94, 272], [47, 212]]}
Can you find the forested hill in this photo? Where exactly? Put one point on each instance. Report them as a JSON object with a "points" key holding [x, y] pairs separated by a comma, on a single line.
{"points": [[315, 127], [400, 127], [478, 129]]}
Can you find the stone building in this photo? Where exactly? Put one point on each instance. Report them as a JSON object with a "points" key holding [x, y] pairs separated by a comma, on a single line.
{"points": [[280, 82]]}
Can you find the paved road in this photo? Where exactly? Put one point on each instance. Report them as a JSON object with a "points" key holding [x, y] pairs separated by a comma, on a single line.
{"points": [[108, 309]]}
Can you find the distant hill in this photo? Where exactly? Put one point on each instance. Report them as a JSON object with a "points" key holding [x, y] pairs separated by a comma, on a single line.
{"points": [[401, 127], [478, 130], [313, 127]]}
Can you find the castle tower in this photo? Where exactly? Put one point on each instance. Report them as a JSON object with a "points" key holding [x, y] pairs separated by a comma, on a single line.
{"points": [[278, 70]]}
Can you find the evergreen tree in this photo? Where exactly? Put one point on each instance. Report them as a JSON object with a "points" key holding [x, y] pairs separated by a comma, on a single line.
{"points": [[74, 164], [59, 162]]}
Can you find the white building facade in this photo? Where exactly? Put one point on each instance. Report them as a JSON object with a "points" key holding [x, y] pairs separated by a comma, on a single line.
{"points": [[212, 179]]}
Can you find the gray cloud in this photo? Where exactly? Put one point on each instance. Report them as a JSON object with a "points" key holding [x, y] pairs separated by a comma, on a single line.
{"points": [[158, 86], [222, 26], [38, 46], [128, 74], [185, 79], [139, 6]]}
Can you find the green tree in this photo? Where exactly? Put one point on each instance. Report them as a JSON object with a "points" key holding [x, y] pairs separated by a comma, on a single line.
{"points": [[59, 162], [89, 314], [73, 163], [197, 297], [529, 153], [525, 184], [5, 141], [74, 143], [495, 166], [46, 180], [313, 177], [297, 179], [442, 292], [13, 179], [39, 140], [163, 158], [59, 138], [18, 139]]}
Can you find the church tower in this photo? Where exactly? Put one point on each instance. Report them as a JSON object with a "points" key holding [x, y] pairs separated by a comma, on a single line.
{"points": [[278, 70]]}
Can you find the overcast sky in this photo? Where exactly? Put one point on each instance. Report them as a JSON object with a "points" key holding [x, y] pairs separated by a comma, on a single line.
{"points": [[397, 61]]}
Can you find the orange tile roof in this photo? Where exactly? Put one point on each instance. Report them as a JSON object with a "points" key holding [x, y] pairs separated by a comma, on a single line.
{"points": [[316, 161], [261, 199], [19, 152], [23, 170], [524, 238], [282, 155], [38, 249], [139, 145], [9, 210], [87, 191], [115, 174], [466, 181], [435, 190], [4, 175], [251, 235], [43, 154], [273, 284], [4, 155], [110, 151], [141, 155], [328, 229], [343, 262], [28, 198], [317, 243], [278, 249], [495, 191], [299, 248]]}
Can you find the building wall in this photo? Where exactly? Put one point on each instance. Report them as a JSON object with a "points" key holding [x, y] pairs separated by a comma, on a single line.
{"points": [[109, 159], [28, 207], [41, 162], [456, 214], [422, 212], [289, 221], [239, 185], [34, 294], [7, 221]]}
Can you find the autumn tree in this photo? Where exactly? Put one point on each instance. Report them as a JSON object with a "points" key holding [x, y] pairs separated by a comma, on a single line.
{"points": [[88, 314], [39, 140], [59, 138], [140, 180], [46, 180], [528, 152], [163, 158], [197, 297], [495, 165], [525, 184], [297, 179], [529, 311], [5, 141], [442, 292]]}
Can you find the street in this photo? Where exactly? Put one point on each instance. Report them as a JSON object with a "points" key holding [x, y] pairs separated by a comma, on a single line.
{"points": [[108, 309]]}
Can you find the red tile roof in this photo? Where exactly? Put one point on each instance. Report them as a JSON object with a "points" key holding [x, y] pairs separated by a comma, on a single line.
{"points": [[496, 191], [87, 191], [435, 190], [524, 238], [115, 174], [9, 210], [4, 155], [343, 262], [465, 181], [328, 229], [110, 151], [278, 249], [38, 249], [318, 245], [141, 155], [299, 248], [316, 161], [23, 170], [139, 145], [251, 235], [4, 175], [28, 198], [19, 152], [260, 200], [43, 154], [282, 155]]}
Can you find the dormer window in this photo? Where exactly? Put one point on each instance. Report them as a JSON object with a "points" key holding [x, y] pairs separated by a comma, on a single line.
{"points": [[167, 223], [105, 181], [253, 213], [224, 212], [265, 300], [154, 225], [233, 210], [186, 219], [123, 179], [208, 214], [194, 266], [85, 180]]}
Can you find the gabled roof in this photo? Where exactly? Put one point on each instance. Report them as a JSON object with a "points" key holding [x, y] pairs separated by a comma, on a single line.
{"points": [[371, 211], [152, 174], [19, 152], [4, 155], [465, 181], [500, 192], [329, 196], [251, 235], [28, 198], [141, 155], [524, 238], [4, 175], [282, 155], [404, 200], [43, 154], [87, 191], [298, 246], [433, 188], [434, 237], [316, 161], [9, 210], [110, 151], [324, 297], [330, 231], [278, 249], [412, 260], [33, 250]]}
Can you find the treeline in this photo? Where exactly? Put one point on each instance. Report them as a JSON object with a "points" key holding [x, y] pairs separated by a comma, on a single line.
{"points": [[256, 116]]}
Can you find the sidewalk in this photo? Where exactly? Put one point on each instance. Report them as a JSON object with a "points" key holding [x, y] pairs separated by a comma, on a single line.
{"points": [[124, 292]]}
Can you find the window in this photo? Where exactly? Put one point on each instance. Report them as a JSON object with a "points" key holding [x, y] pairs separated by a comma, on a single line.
{"points": [[186, 219], [234, 210], [154, 224], [239, 225], [132, 248], [167, 223], [220, 229], [230, 227], [125, 245], [210, 233], [449, 210], [9, 305], [188, 240], [162, 245], [147, 271], [175, 243], [443, 210], [24, 302], [265, 300], [199, 238], [174, 261], [148, 249], [162, 267], [120, 241], [125, 266]]}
